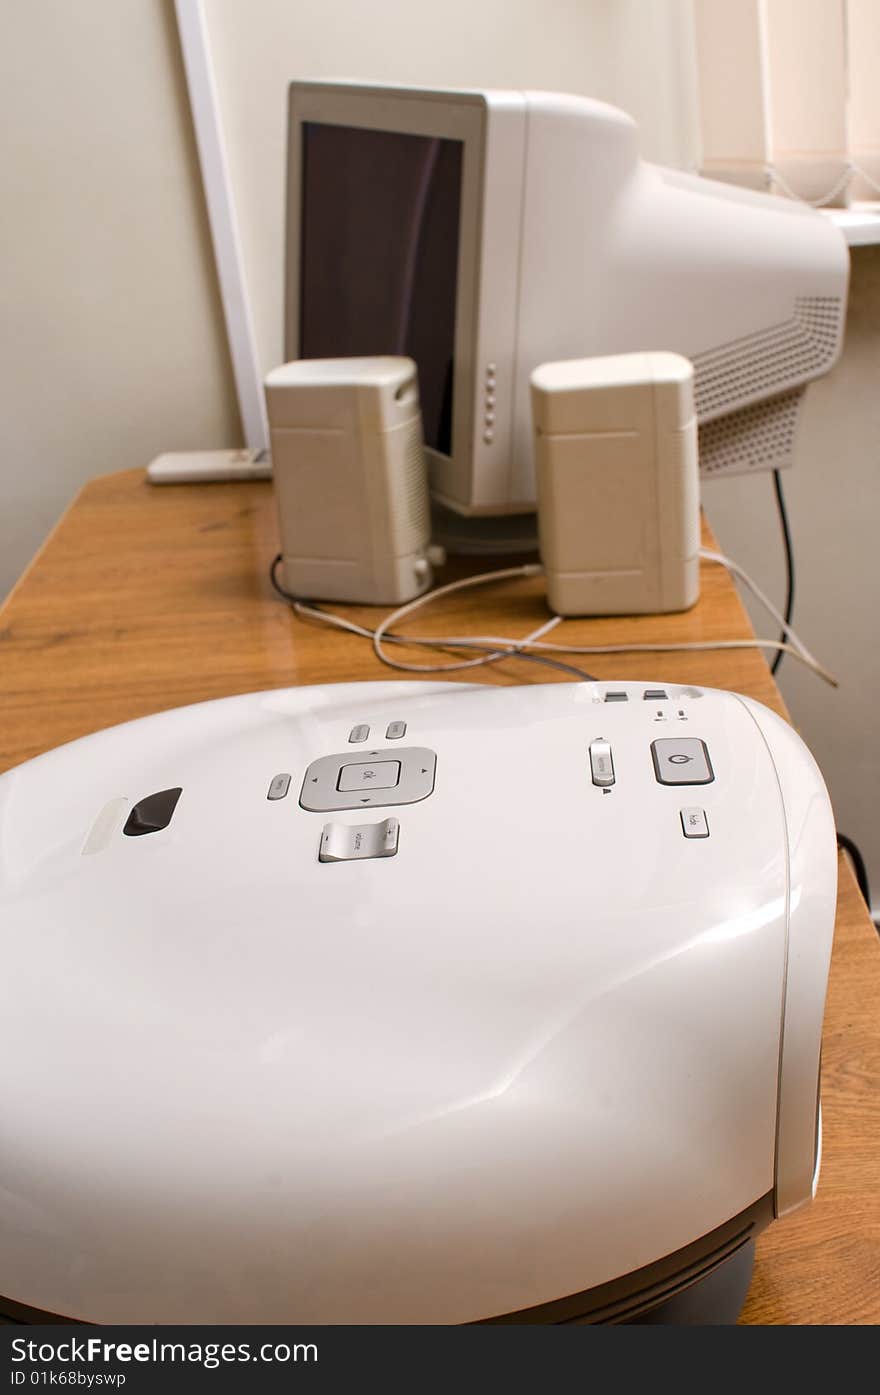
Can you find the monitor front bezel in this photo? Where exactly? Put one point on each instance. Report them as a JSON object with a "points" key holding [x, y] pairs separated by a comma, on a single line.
{"points": [[461, 118]]}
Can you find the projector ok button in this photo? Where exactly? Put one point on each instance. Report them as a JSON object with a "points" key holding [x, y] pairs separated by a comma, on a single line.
{"points": [[381, 775]]}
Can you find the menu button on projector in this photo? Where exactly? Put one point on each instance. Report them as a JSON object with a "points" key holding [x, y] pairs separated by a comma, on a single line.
{"points": [[278, 787]]}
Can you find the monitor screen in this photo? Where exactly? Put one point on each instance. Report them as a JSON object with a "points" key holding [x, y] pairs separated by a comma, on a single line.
{"points": [[379, 232]]}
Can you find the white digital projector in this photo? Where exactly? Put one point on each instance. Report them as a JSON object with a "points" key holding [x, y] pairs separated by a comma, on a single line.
{"points": [[409, 1003]]}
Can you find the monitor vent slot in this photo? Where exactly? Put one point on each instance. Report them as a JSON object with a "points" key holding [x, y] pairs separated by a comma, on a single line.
{"points": [[776, 358], [758, 437]]}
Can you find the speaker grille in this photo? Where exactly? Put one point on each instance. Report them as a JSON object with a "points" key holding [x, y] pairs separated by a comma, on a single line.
{"points": [[759, 437], [408, 501], [416, 481], [776, 358]]}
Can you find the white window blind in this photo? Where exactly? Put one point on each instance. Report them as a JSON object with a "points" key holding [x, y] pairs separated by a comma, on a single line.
{"points": [[789, 96]]}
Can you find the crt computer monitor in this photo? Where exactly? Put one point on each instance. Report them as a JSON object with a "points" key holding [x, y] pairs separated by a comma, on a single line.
{"points": [[483, 233]]}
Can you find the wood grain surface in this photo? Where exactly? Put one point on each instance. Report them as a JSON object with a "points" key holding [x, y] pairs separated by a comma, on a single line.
{"points": [[146, 598]]}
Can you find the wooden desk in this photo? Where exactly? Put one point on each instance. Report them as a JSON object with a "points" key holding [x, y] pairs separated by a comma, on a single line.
{"points": [[145, 598]]}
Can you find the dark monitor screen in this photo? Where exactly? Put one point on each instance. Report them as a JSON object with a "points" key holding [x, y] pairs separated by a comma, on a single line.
{"points": [[379, 235]]}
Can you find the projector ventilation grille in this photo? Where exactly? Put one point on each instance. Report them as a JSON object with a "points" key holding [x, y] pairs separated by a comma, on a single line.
{"points": [[802, 347], [760, 437]]}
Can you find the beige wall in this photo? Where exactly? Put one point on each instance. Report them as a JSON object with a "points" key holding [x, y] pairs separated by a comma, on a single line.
{"points": [[112, 343]]}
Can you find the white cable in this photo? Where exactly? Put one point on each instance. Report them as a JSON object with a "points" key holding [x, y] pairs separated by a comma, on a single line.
{"points": [[530, 569], [736, 570], [495, 642], [686, 647], [501, 647], [505, 647]]}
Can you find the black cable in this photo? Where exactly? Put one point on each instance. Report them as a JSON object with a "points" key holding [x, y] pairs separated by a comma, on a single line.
{"points": [[498, 654], [858, 862], [789, 564]]}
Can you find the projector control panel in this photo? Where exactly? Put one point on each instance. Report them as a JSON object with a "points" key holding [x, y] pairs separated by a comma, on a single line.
{"points": [[356, 780], [367, 779]]}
